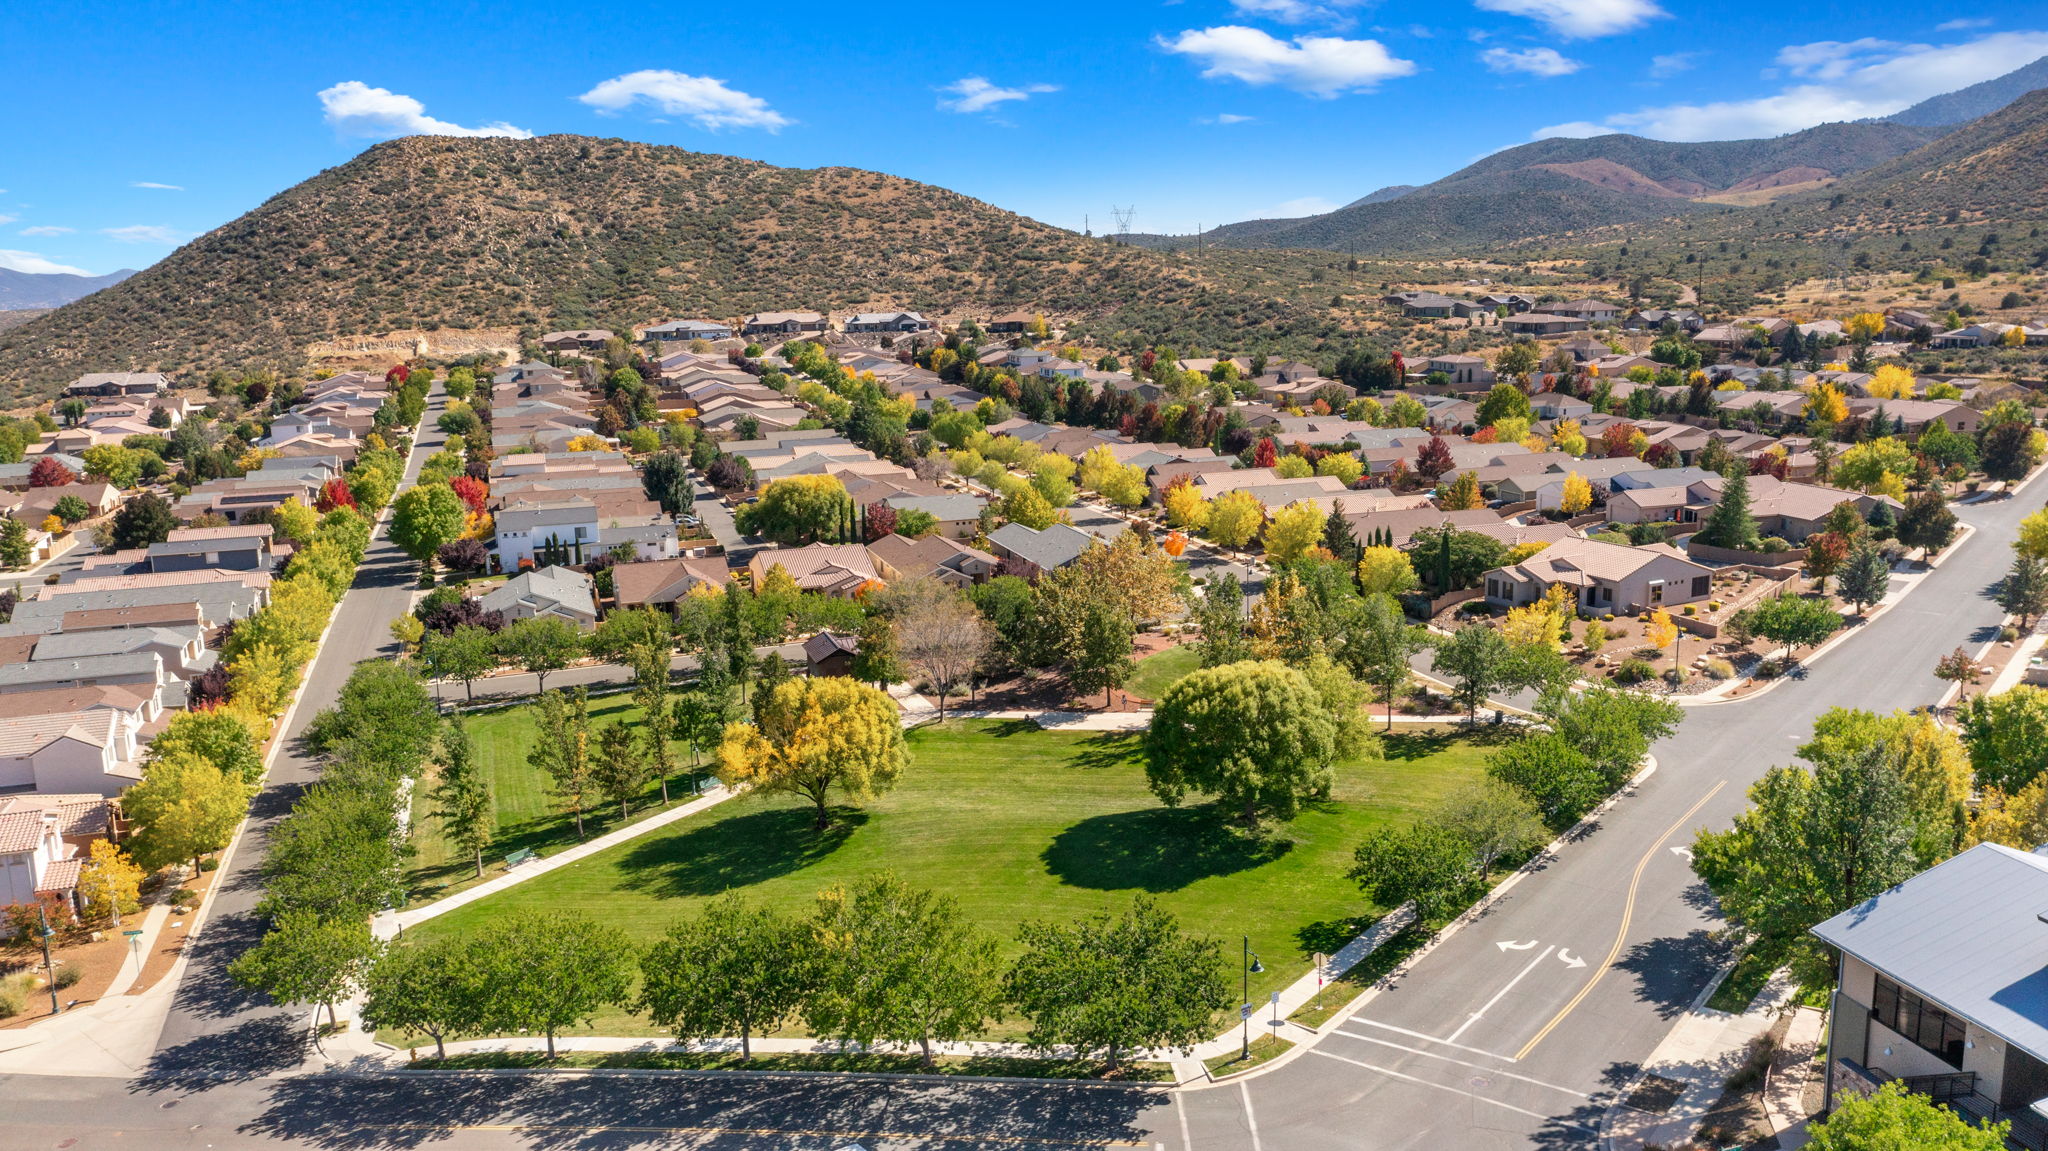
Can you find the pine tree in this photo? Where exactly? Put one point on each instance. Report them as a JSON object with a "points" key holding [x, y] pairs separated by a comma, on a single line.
{"points": [[1338, 539], [2024, 591], [1865, 577], [466, 808], [1731, 525]]}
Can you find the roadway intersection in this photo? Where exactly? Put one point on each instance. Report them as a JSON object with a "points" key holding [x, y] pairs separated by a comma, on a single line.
{"points": [[1515, 1032]]}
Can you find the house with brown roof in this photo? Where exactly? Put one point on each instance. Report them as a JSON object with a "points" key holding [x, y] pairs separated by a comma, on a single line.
{"points": [[933, 557], [784, 323], [1544, 324], [660, 583], [829, 654], [1010, 323], [44, 838], [833, 569], [580, 340], [1603, 577]]}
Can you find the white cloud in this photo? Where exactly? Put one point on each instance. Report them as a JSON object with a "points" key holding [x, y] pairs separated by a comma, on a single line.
{"points": [[8, 219], [1840, 81], [1325, 66], [356, 109], [1580, 18], [47, 230], [1963, 24], [1534, 61], [30, 262], [142, 234], [1224, 118], [706, 102], [975, 94], [1672, 63], [157, 186]]}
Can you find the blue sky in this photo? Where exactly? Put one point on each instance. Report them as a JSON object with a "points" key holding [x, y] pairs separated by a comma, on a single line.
{"points": [[150, 123]]}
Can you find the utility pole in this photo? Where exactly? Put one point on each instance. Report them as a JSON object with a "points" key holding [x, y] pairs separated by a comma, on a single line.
{"points": [[50, 967]]}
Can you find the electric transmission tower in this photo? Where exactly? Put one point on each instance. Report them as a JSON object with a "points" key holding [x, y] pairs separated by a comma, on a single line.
{"points": [[1123, 219]]}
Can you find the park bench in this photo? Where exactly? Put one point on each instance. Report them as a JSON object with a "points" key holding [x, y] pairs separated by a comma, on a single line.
{"points": [[523, 855]]}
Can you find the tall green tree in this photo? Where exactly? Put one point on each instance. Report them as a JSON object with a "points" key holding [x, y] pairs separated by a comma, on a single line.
{"points": [[185, 807], [620, 768], [334, 855], [1812, 844], [1480, 659], [1895, 1119], [735, 969], [900, 964], [2024, 591], [147, 519], [561, 750], [1255, 735], [424, 517], [1612, 728], [1379, 646], [462, 796], [1562, 782], [540, 645], [1927, 521], [1220, 614], [305, 958], [428, 988], [1794, 621], [1113, 984], [1101, 659], [2007, 735], [1424, 862], [657, 714], [552, 970], [466, 653], [1730, 524], [1866, 575]]}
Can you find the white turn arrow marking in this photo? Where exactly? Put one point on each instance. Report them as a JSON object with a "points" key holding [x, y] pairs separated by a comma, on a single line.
{"points": [[1570, 960], [1683, 852], [1505, 945], [1502, 993]]}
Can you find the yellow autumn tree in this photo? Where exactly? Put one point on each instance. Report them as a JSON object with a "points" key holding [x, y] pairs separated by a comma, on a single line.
{"points": [[1343, 465], [2019, 820], [1864, 326], [1891, 382], [1544, 621], [1292, 467], [1386, 571], [1235, 517], [1185, 507], [1568, 437], [1463, 494], [1524, 550], [1660, 632], [1824, 405], [1577, 495], [1510, 429], [109, 883], [1295, 529]]}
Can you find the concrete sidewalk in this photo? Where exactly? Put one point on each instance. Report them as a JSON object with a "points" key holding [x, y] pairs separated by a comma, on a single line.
{"points": [[1701, 1051], [390, 923]]}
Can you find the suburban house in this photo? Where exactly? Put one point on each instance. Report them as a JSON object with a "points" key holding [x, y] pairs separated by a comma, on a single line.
{"points": [[1593, 311], [829, 654], [550, 591], [119, 384], [80, 752], [1652, 319], [1543, 324], [1598, 473], [1011, 324], [581, 340], [1558, 406], [887, 322], [1943, 985], [1789, 510], [660, 583], [1603, 577], [958, 515], [688, 330], [563, 529], [244, 548], [834, 569], [1029, 553], [1466, 372], [44, 839], [784, 323], [949, 561]]}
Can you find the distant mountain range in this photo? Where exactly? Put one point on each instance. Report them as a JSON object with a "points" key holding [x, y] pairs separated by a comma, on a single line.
{"points": [[51, 289], [1561, 187], [1977, 100]]}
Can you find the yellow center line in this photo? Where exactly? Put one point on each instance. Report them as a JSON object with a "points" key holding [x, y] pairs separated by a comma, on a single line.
{"points": [[900, 1136], [1628, 910]]}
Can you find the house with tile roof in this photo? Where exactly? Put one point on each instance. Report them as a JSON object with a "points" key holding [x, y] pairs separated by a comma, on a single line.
{"points": [[834, 569], [43, 841], [553, 592], [1603, 577]]}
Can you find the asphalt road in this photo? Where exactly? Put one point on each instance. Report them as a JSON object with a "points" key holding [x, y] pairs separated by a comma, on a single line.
{"points": [[1518, 1031], [214, 1024], [1481, 1046]]}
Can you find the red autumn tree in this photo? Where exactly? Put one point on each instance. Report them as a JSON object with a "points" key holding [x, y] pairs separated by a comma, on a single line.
{"points": [[1618, 440], [49, 473], [474, 492], [1264, 454], [1661, 456], [397, 374], [1433, 459], [881, 520], [335, 494]]}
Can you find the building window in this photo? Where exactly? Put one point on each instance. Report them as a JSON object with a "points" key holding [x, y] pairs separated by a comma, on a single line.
{"points": [[1699, 585], [1926, 1025]]}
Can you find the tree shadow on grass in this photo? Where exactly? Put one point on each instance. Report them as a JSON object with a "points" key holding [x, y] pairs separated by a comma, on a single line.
{"points": [[1155, 849], [1110, 749], [1413, 745], [738, 852]]}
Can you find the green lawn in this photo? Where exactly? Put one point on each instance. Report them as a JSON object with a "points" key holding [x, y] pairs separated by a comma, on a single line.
{"points": [[1017, 823], [527, 817], [1161, 670]]}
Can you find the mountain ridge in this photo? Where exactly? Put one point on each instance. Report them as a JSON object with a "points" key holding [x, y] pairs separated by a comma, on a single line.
{"points": [[24, 290]]}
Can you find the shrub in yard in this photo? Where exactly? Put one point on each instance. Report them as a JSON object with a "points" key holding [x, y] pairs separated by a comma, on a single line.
{"points": [[1634, 671], [13, 996], [68, 974], [1691, 609], [1714, 605], [1719, 669], [2008, 633], [1609, 617], [1774, 544]]}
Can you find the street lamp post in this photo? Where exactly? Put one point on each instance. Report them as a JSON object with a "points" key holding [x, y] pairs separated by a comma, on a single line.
{"points": [[49, 966], [1244, 1011]]}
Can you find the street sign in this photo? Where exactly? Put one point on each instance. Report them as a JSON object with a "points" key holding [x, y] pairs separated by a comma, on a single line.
{"points": [[1245, 1011], [137, 931], [1276, 999]]}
